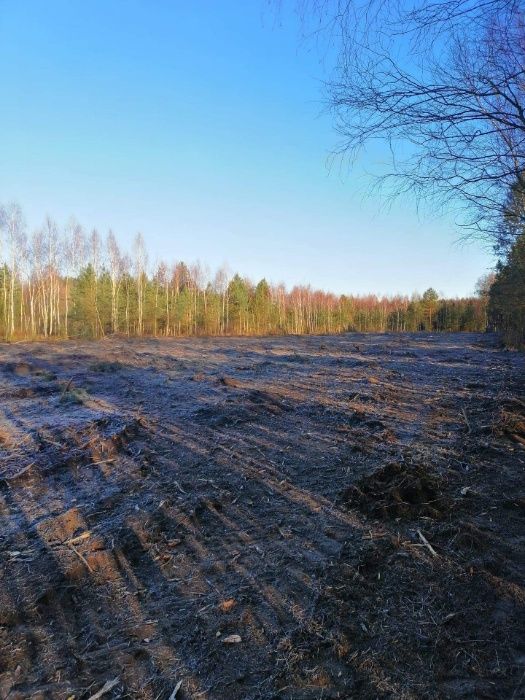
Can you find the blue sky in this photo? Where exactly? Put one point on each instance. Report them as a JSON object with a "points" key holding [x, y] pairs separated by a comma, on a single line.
{"points": [[201, 125]]}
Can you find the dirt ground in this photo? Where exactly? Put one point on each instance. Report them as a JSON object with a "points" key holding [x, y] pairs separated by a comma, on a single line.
{"points": [[291, 518]]}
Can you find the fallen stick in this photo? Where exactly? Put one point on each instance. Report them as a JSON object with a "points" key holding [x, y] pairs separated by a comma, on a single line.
{"points": [[466, 420], [108, 685], [20, 473], [175, 691], [52, 442], [67, 387], [79, 538], [179, 486], [81, 557], [427, 544], [518, 439]]}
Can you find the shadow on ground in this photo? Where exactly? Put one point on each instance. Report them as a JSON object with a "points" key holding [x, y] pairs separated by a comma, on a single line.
{"points": [[321, 517]]}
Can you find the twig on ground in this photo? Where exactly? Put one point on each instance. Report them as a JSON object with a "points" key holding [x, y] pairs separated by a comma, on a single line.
{"points": [[67, 387], [175, 691], [427, 544], [108, 685], [466, 420], [20, 473], [79, 538], [80, 556]]}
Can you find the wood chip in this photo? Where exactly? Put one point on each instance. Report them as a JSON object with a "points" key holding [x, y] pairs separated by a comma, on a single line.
{"points": [[232, 639], [227, 605]]}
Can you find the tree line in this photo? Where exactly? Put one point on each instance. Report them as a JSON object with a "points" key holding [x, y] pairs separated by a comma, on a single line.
{"points": [[60, 283]]}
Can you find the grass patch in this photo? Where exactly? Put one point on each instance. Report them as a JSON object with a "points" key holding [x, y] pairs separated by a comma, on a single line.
{"points": [[46, 375], [74, 397]]}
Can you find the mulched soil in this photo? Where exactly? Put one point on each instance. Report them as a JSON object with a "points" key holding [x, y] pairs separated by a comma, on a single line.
{"points": [[282, 518]]}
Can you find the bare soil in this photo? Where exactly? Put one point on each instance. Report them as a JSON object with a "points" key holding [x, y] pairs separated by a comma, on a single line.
{"points": [[289, 518]]}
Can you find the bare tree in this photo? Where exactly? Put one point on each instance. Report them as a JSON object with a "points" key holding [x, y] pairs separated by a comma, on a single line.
{"points": [[95, 253], [220, 284], [141, 262], [50, 277], [38, 295], [115, 273], [443, 82], [26, 299], [13, 223], [126, 276], [3, 223]]}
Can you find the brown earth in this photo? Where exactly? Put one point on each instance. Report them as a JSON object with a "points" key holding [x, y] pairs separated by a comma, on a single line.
{"points": [[288, 518]]}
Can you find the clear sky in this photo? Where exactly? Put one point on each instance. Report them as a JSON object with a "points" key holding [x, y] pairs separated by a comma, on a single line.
{"points": [[201, 125]]}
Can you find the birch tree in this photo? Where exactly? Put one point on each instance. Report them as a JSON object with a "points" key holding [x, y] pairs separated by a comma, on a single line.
{"points": [[95, 253], [141, 262], [115, 271]]}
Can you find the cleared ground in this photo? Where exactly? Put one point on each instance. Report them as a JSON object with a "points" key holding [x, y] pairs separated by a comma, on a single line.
{"points": [[295, 518]]}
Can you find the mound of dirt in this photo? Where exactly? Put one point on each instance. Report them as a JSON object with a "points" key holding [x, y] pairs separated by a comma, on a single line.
{"points": [[30, 392], [224, 416], [230, 382], [20, 369], [250, 408], [268, 401], [397, 491]]}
